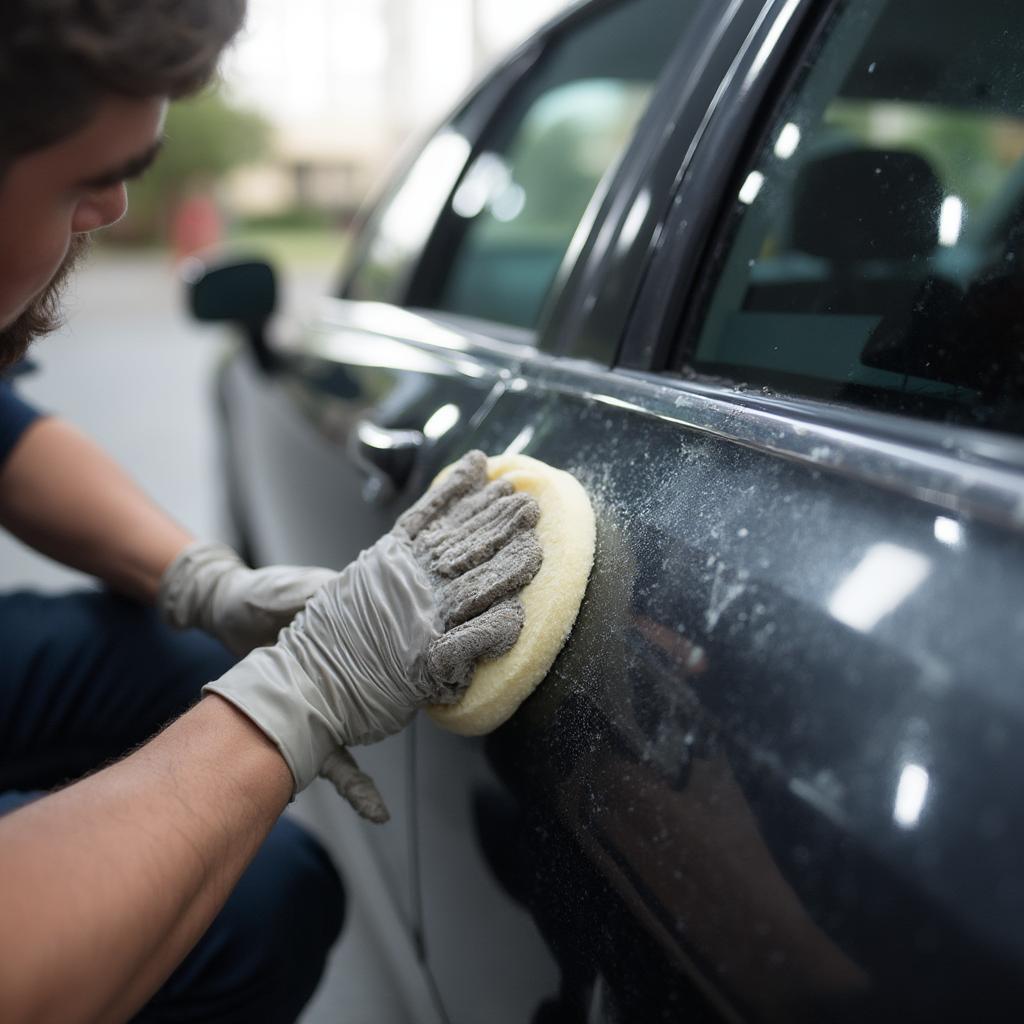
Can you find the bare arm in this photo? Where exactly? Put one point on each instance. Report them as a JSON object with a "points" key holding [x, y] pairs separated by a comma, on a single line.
{"points": [[64, 496], [109, 883]]}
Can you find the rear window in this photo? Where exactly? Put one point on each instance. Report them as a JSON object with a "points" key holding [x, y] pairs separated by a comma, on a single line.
{"points": [[872, 253]]}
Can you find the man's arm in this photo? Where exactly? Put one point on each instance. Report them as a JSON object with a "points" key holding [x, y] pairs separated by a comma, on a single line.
{"points": [[135, 861], [64, 496], [106, 885]]}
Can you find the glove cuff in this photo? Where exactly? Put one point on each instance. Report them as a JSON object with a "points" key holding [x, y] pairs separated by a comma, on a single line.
{"points": [[187, 584], [271, 689]]}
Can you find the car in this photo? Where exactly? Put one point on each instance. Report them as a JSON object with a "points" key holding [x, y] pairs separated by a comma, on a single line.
{"points": [[751, 270]]}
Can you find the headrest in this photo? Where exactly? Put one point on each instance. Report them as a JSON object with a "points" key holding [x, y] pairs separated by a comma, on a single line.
{"points": [[866, 204]]}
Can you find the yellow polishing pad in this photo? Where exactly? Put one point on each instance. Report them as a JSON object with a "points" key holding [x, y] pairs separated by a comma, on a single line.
{"points": [[551, 601]]}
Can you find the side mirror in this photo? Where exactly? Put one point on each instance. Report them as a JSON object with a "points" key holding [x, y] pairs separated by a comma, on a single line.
{"points": [[242, 292]]}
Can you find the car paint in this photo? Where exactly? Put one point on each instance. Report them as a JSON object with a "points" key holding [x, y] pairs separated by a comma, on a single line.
{"points": [[772, 774]]}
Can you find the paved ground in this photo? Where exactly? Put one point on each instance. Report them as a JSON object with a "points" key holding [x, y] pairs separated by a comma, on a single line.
{"points": [[135, 374]]}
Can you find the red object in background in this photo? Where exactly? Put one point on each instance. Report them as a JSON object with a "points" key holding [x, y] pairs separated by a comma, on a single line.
{"points": [[196, 224]]}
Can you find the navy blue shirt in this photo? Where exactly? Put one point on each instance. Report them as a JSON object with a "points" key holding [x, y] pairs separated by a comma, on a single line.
{"points": [[15, 416]]}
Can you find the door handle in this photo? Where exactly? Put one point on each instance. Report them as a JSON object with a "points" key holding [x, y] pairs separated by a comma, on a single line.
{"points": [[386, 455]]}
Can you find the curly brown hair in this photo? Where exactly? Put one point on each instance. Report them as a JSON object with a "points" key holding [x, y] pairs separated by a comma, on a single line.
{"points": [[59, 57]]}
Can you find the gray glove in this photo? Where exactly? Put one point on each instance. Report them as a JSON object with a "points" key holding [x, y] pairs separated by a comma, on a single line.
{"points": [[208, 586], [402, 626]]}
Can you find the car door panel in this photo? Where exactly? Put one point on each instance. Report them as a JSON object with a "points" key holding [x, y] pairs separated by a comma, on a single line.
{"points": [[750, 755], [303, 437]]}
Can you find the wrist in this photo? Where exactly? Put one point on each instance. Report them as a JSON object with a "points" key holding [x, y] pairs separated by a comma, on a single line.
{"points": [[248, 759], [185, 590], [272, 690]]}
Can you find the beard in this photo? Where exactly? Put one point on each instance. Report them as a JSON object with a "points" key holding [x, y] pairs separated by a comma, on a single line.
{"points": [[44, 315]]}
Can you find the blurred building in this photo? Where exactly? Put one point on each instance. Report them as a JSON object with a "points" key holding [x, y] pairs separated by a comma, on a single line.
{"points": [[348, 83]]}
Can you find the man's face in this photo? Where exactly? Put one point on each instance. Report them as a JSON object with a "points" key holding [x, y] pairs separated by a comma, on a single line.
{"points": [[52, 198]]}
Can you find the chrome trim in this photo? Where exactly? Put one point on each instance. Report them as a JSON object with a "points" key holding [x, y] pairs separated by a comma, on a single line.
{"points": [[385, 439], [356, 348], [957, 469], [971, 472], [419, 329]]}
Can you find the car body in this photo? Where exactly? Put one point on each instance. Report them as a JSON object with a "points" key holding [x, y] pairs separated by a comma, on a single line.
{"points": [[773, 775]]}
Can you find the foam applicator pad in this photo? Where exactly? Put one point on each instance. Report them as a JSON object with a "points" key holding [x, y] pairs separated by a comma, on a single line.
{"points": [[551, 601]]}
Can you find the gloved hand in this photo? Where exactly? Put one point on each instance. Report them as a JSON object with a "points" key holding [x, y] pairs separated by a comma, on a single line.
{"points": [[208, 586], [402, 626]]}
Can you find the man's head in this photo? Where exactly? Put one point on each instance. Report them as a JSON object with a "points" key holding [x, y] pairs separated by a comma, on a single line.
{"points": [[84, 87]]}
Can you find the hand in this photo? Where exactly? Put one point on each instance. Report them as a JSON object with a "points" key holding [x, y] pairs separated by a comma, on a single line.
{"points": [[208, 586], [402, 626]]}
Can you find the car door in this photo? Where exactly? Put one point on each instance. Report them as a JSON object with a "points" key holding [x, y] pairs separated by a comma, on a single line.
{"points": [[772, 775], [365, 405], [489, 946]]}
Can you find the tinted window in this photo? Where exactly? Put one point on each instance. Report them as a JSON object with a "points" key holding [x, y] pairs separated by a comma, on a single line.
{"points": [[873, 252], [517, 207]]}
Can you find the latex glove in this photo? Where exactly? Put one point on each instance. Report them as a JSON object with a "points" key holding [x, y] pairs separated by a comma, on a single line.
{"points": [[402, 626], [208, 586]]}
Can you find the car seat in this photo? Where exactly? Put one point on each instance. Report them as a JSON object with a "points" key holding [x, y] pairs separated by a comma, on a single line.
{"points": [[863, 224]]}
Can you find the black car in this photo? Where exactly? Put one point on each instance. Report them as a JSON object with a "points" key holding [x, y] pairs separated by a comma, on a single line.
{"points": [[753, 271]]}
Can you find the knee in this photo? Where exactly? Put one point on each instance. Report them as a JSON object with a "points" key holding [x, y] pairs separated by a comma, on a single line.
{"points": [[263, 956], [281, 921], [175, 664], [301, 891]]}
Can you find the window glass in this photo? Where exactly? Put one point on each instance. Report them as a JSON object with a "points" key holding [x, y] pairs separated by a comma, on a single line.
{"points": [[873, 251], [403, 221], [517, 207]]}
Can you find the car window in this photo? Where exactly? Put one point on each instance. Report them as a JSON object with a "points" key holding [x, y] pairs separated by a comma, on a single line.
{"points": [[515, 211], [403, 219], [872, 251]]}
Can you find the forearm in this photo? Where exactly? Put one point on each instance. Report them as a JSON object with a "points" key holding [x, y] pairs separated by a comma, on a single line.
{"points": [[109, 883], [64, 496]]}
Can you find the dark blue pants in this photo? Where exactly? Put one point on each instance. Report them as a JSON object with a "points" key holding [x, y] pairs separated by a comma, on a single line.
{"points": [[86, 677]]}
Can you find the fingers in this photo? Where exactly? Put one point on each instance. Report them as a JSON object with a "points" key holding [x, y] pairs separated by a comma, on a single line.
{"points": [[281, 591], [440, 532], [477, 540], [486, 533], [453, 655], [299, 584], [505, 574], [249, 607], [355, 786], [469, 474]]}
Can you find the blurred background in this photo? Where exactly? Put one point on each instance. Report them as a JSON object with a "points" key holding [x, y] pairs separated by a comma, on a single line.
{"points": [[318, 100]]}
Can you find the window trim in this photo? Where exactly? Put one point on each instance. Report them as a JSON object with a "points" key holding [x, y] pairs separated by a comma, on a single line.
{"points": [[782, 36], [962, 470], [609, 256]]}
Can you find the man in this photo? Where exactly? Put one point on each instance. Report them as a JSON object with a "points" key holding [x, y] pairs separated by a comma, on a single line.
{"points": [[112, 886]]}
